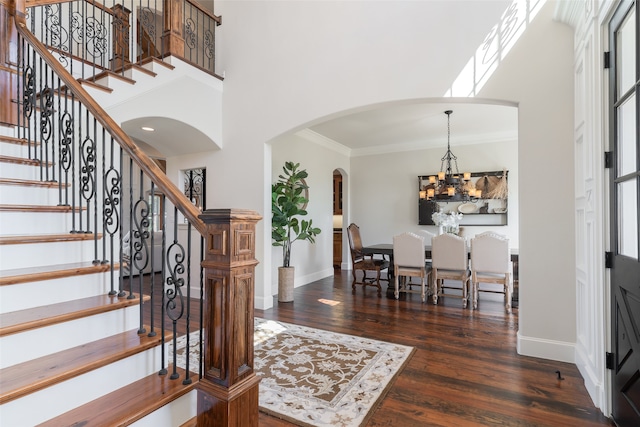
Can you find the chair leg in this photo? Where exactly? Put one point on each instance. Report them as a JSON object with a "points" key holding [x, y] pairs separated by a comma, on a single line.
{"points": [[465, 293], [474, 294], [436, 290], [424, 294], [353, 284], [396, 292], [378, 283]]}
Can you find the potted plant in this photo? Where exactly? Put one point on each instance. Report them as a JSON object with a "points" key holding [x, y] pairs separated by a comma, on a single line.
{"points": [[289, 198]]}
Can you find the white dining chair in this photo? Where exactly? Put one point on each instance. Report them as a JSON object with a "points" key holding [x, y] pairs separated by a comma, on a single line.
{"points": [[409, 261], [427, 235], [491, 263], [450, 261]]}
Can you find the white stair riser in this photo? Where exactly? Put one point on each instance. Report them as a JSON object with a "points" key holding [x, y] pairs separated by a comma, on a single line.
{"points": [[20, 171], [26, 223], [63, 397], [173, 414], [45, 292], [29, 195], [17, 150], [50, 253], [61, 336], [7, 130]]}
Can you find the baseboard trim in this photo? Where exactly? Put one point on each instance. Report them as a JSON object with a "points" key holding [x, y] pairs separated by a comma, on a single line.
{"points": [[594, 385], [546, 349], [313, 277]]}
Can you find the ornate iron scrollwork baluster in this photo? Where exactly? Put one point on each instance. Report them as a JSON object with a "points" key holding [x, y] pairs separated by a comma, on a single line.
{"points": [[66, 151], [87, 169], [46, 111], [175, 304]]}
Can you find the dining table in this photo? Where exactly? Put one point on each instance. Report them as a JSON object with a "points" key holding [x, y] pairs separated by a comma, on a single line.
{"points": [[386, 250]]}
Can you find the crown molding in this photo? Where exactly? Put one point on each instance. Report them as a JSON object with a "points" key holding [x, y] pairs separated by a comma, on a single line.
{"points": [[325, 142]]}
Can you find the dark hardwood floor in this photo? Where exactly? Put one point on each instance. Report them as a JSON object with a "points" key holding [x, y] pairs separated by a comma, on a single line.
{"points": [[465, 370]]}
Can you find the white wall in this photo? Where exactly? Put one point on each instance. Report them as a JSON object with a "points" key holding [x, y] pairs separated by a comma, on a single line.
{"points": [[292, 64], [384, 188], [312, 261], [538, 74]]}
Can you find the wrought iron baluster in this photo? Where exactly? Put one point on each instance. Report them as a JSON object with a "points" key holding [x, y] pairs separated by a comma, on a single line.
{"points": [[174, 297], [163, 362], [104, 199], [65, 143], [187, 379], [94, 195], [130, 233], [77, 107], [28, 102], [152, 227], [123, 261], [140, 239], [112, 209], [87, 171]]}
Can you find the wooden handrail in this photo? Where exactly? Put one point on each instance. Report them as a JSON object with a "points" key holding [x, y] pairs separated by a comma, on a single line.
{"points": [[218, 19], [139, 157]]}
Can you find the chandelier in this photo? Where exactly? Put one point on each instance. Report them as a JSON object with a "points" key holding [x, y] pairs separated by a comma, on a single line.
{"points": [[449, 184]]}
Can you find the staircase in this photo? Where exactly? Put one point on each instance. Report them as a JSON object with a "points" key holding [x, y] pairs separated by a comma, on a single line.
{"points": [[69, 346], [73, 346], [84, 338]]}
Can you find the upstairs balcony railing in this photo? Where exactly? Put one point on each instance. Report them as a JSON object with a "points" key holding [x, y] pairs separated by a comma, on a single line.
{"points": [[89, 37]]}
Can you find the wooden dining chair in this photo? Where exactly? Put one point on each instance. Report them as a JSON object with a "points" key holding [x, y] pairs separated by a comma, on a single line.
{"points": [[450, 261], [363, 262], [409, 261], [491, 263]]}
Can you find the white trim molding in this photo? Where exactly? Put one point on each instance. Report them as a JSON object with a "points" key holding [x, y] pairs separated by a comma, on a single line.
{"points": [[546, 349]]}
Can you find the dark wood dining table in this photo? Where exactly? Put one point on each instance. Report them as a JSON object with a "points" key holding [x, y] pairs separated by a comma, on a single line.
{"points": [[386, 250]]}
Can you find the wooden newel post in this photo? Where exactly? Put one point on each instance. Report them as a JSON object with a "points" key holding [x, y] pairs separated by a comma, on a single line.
{"points": [[172, 33], [228, 391]]}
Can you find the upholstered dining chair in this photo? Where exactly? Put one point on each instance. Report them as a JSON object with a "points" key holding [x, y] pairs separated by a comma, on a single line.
{"points": [[450, 261], [363, 262], [409, 261], [427, 235], [491, 263]]}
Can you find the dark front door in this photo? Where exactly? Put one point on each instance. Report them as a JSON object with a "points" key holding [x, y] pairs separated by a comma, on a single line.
{"points": [[625, 200]]}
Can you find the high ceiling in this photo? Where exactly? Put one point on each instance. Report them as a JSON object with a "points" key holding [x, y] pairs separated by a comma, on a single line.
{"points": [[411, 126], [385, 128]]}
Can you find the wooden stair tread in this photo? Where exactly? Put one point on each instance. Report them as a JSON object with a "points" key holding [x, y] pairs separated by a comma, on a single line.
{"points": [[156, 61], [31, 183], [13, 140], [128, 66], [48, 272], [46, 238], [23, 161], [32, 318], [128, 404], [40, 208], [109, 73], [95, 85], [28, 377]]}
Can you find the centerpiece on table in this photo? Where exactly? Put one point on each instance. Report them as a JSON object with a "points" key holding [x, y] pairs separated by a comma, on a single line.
{"points": [[447, 222]]}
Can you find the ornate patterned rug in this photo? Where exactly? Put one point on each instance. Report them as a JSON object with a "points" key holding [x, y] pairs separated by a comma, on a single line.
{"points": [[312, 377]]}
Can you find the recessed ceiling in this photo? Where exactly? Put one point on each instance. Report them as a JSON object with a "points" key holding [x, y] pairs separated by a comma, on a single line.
{"points": [[421, 125], [170, 137]]}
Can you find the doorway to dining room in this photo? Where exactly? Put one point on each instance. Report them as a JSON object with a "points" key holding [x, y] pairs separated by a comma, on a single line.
{"points": [[337, 219]]}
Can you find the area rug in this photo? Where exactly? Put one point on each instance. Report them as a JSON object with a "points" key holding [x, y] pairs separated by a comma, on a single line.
{"points": [[313, 377]]}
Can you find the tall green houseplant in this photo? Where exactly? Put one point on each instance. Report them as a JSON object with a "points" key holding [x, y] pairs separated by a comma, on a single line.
{"points": [[288, 203]]}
